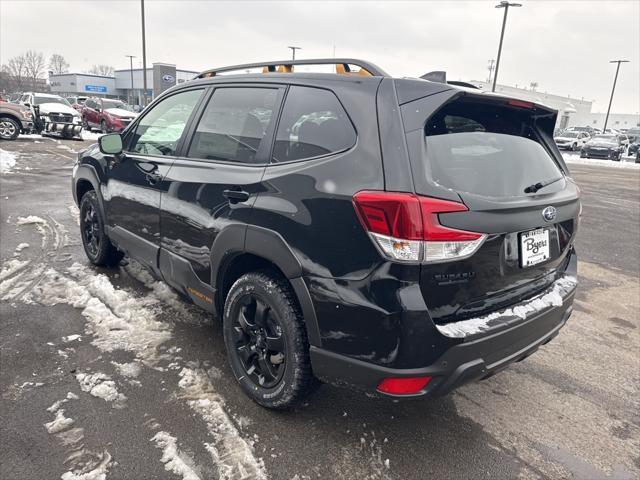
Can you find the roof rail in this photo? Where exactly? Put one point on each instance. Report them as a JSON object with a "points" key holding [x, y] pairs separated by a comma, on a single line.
{"points": [[286, 66], [440, 76]]}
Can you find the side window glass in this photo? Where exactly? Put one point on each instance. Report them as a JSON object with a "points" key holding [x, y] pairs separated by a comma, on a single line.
{"points": [[233, 125], [159, 131], [313, 123]]}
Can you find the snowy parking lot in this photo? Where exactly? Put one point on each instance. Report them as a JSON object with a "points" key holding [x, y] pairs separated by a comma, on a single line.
{"points": [[110, 374]]}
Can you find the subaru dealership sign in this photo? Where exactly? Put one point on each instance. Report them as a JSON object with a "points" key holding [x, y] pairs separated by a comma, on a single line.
{"points": [[95, 88]]}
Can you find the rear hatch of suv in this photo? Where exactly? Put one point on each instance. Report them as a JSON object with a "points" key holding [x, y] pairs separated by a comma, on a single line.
{"points": [[517, 208]]}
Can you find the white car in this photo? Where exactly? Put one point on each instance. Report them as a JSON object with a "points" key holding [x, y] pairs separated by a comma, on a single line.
{"points": [[52, 114], [571, 140]]}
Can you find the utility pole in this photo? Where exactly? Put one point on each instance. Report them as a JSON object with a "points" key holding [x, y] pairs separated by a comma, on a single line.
{"points": [[615, 79], [131, 97], [144, 59], [293, 51], [504, 4], [491, 68]]}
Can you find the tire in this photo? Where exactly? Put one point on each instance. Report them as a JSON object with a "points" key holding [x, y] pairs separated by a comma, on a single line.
{"points": [[574, 147], [85, 124], [9, 128], [278, 377], [97, 246], [103, 127]]}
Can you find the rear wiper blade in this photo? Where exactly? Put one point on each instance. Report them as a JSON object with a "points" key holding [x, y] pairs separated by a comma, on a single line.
{"points": [[537, 186]]}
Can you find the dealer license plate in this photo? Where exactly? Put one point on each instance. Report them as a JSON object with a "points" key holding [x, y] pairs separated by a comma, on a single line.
{"points": [[534, 247]]}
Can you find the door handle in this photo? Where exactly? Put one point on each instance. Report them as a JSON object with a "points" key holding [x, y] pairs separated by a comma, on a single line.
{"points": [[236, 196]]}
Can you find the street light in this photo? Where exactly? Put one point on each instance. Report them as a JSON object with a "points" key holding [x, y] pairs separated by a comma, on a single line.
{"points": [[504, 4], [144, 59], [293, 51], [131, 57], [615, 79]]}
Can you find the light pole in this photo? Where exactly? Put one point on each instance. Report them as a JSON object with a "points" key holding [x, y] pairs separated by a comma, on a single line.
{"points": [[131, 57], [504, 4], [293, 51], [144, 59], [615, 79]]}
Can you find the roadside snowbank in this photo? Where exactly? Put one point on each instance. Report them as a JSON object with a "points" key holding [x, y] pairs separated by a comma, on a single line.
{"points": [[7, 161], [574, 159]]}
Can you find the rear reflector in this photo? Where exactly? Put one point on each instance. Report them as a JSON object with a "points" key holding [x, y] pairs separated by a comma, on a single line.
{"points": [[405, 227], [403, 386]]}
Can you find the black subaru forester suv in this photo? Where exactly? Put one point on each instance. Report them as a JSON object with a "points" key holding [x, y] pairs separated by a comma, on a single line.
{"points": [[400, 236]]}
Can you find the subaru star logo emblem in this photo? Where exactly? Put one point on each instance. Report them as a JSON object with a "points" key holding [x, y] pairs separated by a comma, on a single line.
{"points": [[549, 214], [168, 78]]}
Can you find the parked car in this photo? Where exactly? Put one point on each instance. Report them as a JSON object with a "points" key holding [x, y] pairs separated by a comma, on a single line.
{"points": [[634, 147], [77, 102], [605, 145], [587, 129], [52, 114], [400, 236], [107, 115], [14, 119], [633, 133], [572, 140]]}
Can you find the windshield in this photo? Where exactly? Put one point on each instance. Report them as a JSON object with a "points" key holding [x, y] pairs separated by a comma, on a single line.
{"points": [[568, 134], [487, 149], [106, 104], [40, 100]]}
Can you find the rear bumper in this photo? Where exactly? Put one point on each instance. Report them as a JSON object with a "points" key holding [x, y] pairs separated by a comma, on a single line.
{"points": [[475, 358]]}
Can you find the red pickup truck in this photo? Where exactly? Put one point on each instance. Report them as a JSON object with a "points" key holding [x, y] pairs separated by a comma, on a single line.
{"points": [[106, 114]]}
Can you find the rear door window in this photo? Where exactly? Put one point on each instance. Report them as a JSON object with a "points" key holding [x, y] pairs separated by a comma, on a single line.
{"points": [[488, 149], [234, 124], [313, 124]]}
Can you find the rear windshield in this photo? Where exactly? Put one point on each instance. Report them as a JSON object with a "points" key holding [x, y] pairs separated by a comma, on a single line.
{"points": [[488, 149]]}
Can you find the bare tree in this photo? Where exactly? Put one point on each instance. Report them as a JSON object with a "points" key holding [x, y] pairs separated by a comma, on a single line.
{"points": [[104, 70], [34, 67], [16, 72], [57, 64]]}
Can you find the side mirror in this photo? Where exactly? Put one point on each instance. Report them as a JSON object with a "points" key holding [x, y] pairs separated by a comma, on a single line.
{"points": [[110, 144]]}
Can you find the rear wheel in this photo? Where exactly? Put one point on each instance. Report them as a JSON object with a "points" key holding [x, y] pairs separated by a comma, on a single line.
{"points": [[9, 128], [85, 124], [266, 341], [97, 245]]}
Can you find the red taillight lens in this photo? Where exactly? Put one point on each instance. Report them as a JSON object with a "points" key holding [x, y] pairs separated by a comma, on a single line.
{"points": [[403, 386], [406, 228], [388, 213], [520, 103]]}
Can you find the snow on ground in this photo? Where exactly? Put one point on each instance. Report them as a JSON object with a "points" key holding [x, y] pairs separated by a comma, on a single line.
{"points": [[59, 423], [175, 460], [90, 135], [230, 452], [553, 297], [575, 159], [98, 471], [40, 223], [7, 161], [75, 213], [101, 386], [129, 370]]}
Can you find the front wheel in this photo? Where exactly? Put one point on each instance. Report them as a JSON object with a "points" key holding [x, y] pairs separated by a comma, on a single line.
{"points": [[266, 341], [97, 245], [574, 147], [103, 127], [9, 129]]}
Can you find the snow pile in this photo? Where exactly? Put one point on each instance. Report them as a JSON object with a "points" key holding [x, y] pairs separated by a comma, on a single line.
{"points": [[118, 320], [86, 135], [97, 472], [174, 460], [129, 370], [574, 159], [71, 338], [59, 423], [59, 403], [101, 386], [12, 266], [231, 453], [7, 161], [553, 297]]}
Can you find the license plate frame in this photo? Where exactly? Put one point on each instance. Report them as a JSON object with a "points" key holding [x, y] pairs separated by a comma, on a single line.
{"points": [[534, 246]]}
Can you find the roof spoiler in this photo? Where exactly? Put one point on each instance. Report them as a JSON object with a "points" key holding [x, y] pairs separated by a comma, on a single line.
{"points": [[441, 77]]}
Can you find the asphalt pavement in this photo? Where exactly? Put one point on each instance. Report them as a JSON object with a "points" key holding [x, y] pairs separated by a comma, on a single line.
{"points": [[109, 374]]}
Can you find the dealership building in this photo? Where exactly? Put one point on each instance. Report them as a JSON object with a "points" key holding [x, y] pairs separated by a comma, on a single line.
{"points": [[126, 84], [571, 111]]}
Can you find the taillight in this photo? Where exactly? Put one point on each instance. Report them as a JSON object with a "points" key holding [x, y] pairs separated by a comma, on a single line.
{"points": [[403, 386], [405, 227]]}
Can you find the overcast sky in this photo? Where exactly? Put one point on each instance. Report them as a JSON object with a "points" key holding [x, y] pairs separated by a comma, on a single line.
{"points": [[564, 46]]}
